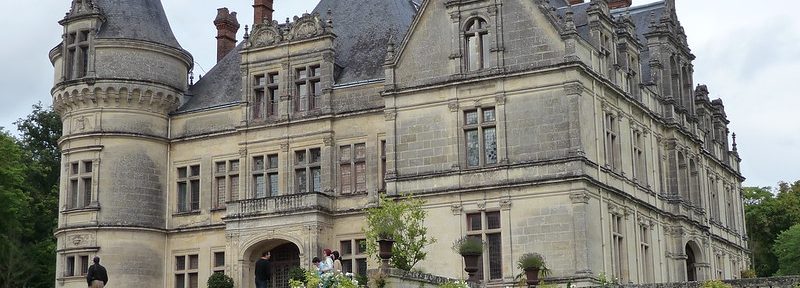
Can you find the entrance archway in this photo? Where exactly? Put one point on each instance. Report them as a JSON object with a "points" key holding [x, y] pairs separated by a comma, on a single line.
{"points": [[285, 256], [691, 261]]}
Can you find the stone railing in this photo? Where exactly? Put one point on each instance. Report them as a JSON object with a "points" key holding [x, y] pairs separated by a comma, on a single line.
{"points": [[279, 204], [771, 282], [396, 278]]}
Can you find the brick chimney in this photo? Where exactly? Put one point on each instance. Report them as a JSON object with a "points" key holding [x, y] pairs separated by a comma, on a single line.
{"points": [[227, 26], [614, 4], [262, 9], [574, 2]]}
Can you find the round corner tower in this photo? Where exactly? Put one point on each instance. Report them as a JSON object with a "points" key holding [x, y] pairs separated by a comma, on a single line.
{"points": [[119, 72]]}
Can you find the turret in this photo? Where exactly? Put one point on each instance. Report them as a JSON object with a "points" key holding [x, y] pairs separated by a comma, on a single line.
{"points": [[119, 72]]}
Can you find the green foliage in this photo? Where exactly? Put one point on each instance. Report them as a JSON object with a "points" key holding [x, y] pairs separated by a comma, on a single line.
{"points": [[469, 246], [455, 284], [748, 273], [715, 284], [787, 248], [220, 280], [768, 213], [403, 221], [531, 260], [298, 273], [377, 279]]}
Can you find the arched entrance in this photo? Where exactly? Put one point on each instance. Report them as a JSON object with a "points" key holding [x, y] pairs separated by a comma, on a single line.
{"points": [[285, 256], [691, 269]]}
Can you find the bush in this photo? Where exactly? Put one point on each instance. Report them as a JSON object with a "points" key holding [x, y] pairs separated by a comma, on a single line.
{"points": [[749, 273], [298, 274], [715, 284], [468, 246], [531, 260], [220, 280], [454, 284]]}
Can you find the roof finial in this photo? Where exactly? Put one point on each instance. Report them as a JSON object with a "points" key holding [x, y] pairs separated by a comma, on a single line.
{"points": [[191, 78], [734, 143], [330, 18], [246, 32]]}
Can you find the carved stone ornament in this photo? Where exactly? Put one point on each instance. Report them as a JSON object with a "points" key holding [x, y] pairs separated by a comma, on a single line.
{"points": [[265, 34], [453, 106], [308, 26], [500, 99], [390, 115], [579, 197], [328, 141], [285, 147], [481, 206], [81, 240], [242, 152], [456, 209], [505, 204]]}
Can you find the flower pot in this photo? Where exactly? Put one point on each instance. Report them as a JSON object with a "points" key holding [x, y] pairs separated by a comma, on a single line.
{"points": [[471, 262], [385, 248], [532, 275]]}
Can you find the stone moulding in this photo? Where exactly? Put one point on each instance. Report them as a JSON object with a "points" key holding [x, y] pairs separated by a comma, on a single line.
{"points": [[271, 33]]}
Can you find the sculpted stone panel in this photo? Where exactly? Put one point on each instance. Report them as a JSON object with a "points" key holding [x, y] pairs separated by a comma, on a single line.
{"points": [[271, 33]]}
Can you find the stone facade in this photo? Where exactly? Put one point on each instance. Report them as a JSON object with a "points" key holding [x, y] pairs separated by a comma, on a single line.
{"points": [[573, 131]]}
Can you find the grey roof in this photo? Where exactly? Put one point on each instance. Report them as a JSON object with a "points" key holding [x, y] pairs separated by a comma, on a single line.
{"points": [[136, 19], [363, 29], [221, 85]]}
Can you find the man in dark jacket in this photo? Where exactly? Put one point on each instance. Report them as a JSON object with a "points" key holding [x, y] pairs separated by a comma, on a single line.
{"points": [[263, 271], [97, 277]]}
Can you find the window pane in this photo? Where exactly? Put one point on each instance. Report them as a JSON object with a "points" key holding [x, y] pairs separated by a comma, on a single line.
{"points": [[300, 157], [180, 263], [260, 186], [74, 168], [273, 78], [315, 156], [495, 255], [234, 191], [484, 53], [193, 280], [317, 71], [219, 259], [195, 195], [490, 148], [346, 247], [235, 166], [193, 262], [347, 266], [301, 74], [344, 153], [195, 170], [344, 178], [258, 102], [70, 270], [182, 197], [258, 163], [493, 220], [87, 191], [473, 53], [260, 80], [300, 180], [361, 177], [84, 265], [273, 161], [74, 194], [361, 246], [220, 191], [474, 222], [273, 184], [179, 281], [471, 117], [361, 151], [220, 167], [473, 148], [488, 115], [87, 166], [362, 266], [182, 172], [316, 177]]}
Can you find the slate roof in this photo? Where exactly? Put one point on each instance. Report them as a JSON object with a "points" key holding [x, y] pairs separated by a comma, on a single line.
{"points": [[139, 20], [362, 28]]}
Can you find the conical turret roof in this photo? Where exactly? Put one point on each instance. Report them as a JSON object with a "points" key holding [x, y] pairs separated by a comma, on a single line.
{"points": [[136, 19]]}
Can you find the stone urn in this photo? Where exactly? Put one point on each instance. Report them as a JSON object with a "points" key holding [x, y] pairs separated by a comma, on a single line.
{"points": [[532, 276], [385, 250], [471, 262]]}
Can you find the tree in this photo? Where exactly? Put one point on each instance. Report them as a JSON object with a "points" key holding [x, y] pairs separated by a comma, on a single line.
{"points": [[403, 221], [768, 214], [787, 248], [14, 208]]}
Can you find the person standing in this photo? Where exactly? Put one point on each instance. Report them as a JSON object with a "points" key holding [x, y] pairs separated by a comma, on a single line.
{"points": [[97, 277], [327, 263], [263, 271], [337, 263]]}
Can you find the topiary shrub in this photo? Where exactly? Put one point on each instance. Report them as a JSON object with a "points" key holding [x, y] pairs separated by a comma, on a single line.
{"points": [[220, 280], [715, 284]]}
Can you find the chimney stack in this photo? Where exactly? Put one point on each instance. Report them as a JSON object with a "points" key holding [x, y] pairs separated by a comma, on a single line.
{"points": [[227, 26], [262, 10], [614, 4], [574, 2]]}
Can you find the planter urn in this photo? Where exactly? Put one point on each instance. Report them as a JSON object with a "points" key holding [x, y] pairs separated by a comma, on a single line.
{"points": [[471, 262], [532, 276]]}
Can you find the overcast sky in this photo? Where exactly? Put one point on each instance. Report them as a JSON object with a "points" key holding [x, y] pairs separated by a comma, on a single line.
{"points": [[748, 53]]}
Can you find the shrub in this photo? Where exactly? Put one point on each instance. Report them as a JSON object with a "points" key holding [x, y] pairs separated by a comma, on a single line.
{"points": [[454, 284], [220, 280], [468, 246], [531, 260], [715, 284], [298, 274], [749, 273]]}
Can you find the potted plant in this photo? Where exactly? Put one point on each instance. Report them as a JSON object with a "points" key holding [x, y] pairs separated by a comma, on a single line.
{"points": [[471, 248], [531, 263], [385, 243]]}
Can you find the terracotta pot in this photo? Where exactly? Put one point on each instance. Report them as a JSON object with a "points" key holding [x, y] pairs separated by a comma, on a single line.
{"points": [[385, 248], [471, 262], [532, 275]]}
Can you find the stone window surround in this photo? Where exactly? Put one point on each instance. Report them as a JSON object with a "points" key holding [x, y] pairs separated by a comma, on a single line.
{"points": [[307, 166], [187, 180], [310, 77], [76, 264], [351, 163], [215, 252], [270, 168], [618, 225], [480, 35], [78, 53], [228, 176], [480, 126], [484, 232], [81, 171], [187, 270], [646, 250], [611, 141], [354, 256], [266, 96]]}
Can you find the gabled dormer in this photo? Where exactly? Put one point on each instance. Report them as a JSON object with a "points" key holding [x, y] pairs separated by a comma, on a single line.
{"points": [[288, 69], [628, 55], [602, 36], [81, 25]]}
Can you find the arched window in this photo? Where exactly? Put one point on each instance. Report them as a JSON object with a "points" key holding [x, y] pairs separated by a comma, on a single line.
{"points": [[477, 44]]}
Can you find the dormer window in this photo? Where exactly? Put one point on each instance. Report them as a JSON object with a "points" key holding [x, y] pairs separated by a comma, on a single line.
{"points": [[477, 44], [308, 87], [77, 61]]}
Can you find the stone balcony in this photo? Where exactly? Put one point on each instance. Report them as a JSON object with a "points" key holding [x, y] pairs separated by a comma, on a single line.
{"points": [[284, 204]]}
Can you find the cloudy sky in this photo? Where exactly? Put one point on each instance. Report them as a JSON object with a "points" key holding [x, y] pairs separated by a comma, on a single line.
{"points": [[748, 53]]}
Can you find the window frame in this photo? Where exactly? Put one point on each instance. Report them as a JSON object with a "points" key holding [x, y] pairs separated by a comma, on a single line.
{"points": [[480, 34], [611, 140], [271, 164], [265, 95], [618, 247], [351, 163], [480, 127], [639, 159], [76, 265], [485, 232], [192, 197], [228, 177], [357, 256], [80, 190], [77, 48], [187, 271], [307, 166], [309, 77]]}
